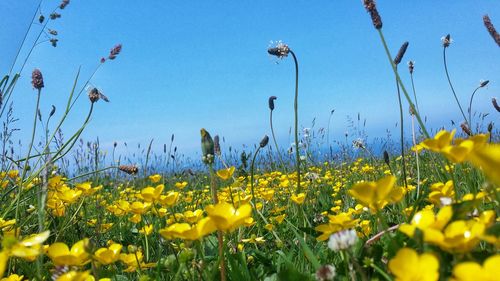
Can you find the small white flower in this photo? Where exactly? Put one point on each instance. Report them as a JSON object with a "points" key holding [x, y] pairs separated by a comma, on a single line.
{"points": [[342, 240], [445, 201]]}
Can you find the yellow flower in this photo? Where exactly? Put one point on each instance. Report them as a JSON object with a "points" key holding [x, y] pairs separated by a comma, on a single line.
{"points": [[335, 223], [299, 198], [133, 260], [376, 195], [439, 191], [155, 178], [409, 265], [185, 231], [181, 185], [28, 248], [192, 217], [60, 254], [13, 277], [150, 194], [76, 276], [226, 217], [108, 255], [441, 140], [487, 157], [146, 230], [13, 174], [471, 271], [170, 199], [225, 174], [431, 225], [139, 208]]}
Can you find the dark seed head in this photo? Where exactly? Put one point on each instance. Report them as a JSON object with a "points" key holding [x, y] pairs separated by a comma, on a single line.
{"points": [[466, 129], [37, 79], [371, 8], [271, 102], [495, 104], [386, 158], [401, 53], [491, 29], [411, 66], [217, 145], [484, 83], [446, 41], [490, 127]]}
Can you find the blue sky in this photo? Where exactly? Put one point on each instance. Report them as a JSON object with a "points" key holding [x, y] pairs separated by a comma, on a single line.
{"points": [[192, 64]]}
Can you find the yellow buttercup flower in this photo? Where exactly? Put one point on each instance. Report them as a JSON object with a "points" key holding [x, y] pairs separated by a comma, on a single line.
{"points": [[409, 265], [376, 195], [181, 185], [299, 198], [185, 231], [226, 217], [225, 174], [108, 255], [155, 178], [61, 254], [28, 248], [150, 194], [335, 223], [440, 192], [431, 225], [170, 199], [13, 277], [147, 229], [440, 141], [472, 271]]}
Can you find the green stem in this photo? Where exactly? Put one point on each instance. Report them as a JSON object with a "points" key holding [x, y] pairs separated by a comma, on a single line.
{"points": [[470, 107], [401, 120], [451, 86], [275, 142], [252, 174], [296, 110], [403, 88]]}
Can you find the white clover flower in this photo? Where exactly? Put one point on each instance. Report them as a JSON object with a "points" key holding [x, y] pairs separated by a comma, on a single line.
{"points": [[342, 240]]}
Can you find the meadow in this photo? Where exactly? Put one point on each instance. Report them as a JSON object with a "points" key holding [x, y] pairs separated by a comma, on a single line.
{"points": [[424, 208]]}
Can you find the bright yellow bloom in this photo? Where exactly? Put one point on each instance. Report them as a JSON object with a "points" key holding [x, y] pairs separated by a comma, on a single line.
{"points": [[440, 192], [181, 185], [299, 198], [376, 195], [471, 271], [185, 231], [170, 199], [76, 276], [139, 208], [226, 217], [440, 141], [150, 194], [487, 157], [335, 223], [13, 277], [225, 174], [108, 255], [155, 178], [27, 249], [133, 260], [60, 254], [409, 265], [192, 217], [146, 230], [431, 225]]}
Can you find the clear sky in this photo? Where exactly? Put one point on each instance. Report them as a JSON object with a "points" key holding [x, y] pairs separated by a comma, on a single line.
{"points": [[192, 64]]}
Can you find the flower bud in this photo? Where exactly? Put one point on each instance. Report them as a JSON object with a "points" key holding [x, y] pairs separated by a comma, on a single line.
{"points": [[37, 79], [264, 141]]}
